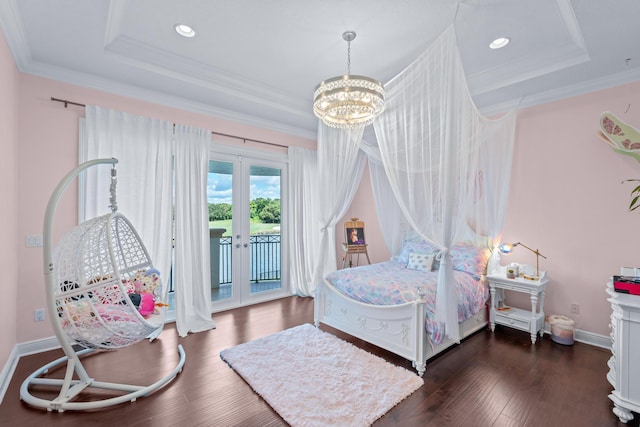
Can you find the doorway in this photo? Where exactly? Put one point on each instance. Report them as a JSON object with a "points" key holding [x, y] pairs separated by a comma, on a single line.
{"points": [[246, 197]]}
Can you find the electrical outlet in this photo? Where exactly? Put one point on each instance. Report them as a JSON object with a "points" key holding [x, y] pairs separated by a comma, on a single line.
{"points": [[38, 315], [575, 308], [33, 241]]}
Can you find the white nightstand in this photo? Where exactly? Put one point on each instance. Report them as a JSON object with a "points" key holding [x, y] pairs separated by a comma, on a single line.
{"points": [[525, 320]]}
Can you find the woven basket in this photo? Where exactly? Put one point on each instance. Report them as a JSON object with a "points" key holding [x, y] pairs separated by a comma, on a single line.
{"points": [[98, 264]]}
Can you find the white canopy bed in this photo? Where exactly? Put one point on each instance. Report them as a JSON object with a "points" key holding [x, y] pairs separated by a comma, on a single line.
{"points": [[448, 169], [392, 304]]}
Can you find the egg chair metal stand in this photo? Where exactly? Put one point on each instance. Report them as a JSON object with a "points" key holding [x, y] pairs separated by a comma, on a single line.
{"points": [[102, 293]]}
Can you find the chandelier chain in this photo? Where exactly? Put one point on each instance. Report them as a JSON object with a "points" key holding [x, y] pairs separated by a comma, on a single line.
{"points": [[348, 57]]}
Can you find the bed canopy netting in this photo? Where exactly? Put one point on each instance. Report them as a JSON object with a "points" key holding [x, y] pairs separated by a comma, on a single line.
{"points": [[103, 293], [440, 170]]}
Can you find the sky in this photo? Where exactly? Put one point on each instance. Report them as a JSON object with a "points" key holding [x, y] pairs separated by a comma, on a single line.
{"points": [[219, 187]]}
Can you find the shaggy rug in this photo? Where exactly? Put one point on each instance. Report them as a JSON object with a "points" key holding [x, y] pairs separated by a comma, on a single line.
{"points": [[312, 378]]}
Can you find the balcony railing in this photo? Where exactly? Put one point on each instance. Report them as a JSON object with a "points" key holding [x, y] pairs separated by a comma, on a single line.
{"points": [[264, 258]]}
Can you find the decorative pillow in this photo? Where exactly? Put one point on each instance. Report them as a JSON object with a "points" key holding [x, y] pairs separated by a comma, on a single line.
{"points": [[470, 259], [418, 261], [418, 246], [466, 257]]}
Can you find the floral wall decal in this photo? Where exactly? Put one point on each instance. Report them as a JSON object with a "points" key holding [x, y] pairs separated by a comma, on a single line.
{"points": [[624, 139], [621, 136]]}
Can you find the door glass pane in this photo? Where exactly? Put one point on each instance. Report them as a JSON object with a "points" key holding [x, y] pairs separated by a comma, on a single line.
{"points": [[264, 207], [220, 199]]}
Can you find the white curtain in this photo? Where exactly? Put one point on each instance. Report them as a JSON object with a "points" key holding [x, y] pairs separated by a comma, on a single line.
{"points": [[146, 150], [438, 154], [340, 167], [304, 224], [395, 228], [192, 270], [143, 147]]}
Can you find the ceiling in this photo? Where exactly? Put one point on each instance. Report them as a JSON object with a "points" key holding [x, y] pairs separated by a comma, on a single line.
{"points": [[258, 61]]}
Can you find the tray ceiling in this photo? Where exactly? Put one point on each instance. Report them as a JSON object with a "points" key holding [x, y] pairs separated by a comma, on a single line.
{"points": [[258, 62]]}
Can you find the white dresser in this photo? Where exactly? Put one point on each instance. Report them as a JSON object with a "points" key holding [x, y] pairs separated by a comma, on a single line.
{"points": [[624, 365]]}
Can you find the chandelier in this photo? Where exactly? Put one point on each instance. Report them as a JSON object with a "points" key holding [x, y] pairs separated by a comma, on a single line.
{"points": [[348, 101]]}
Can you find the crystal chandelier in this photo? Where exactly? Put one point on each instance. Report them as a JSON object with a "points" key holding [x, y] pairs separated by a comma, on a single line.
{"points": [[348, 101]]}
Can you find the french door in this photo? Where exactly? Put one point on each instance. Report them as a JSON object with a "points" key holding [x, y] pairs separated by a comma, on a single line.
{"points": [[246, 197]]}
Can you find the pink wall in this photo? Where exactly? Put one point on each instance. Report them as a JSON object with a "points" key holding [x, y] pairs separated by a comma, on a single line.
{"points": [[566, 199], [566, 194], [363, 208], [9, 216], [48, 149]]}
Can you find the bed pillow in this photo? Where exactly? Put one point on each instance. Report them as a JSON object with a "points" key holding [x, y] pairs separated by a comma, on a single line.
{"points": [[466, 257], [470, 259], [418, 261], [417, 246]]}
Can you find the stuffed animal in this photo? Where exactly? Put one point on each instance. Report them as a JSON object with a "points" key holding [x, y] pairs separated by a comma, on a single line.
{"points": [[147, 304], [141, 289]]}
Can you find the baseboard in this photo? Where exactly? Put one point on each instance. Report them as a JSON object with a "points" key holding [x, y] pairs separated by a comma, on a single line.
{"points": [[19, 350], [595, 340], [586, 337], [7, 371], [38, 346]]}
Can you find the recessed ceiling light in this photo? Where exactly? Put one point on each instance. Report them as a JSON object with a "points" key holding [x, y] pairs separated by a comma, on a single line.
{"points": [[499, 43], [185, 30]]}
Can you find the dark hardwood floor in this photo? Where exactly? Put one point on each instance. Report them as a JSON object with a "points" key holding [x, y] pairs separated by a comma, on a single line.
{"points": [[491, 379]]}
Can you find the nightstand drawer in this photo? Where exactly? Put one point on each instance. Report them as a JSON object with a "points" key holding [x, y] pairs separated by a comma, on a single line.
{"points": [[513, 321]]}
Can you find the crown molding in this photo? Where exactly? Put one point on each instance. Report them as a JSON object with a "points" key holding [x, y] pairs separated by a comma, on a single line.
{"points": [[131, 91], [564, 92], [179, 68], [14, 33]]}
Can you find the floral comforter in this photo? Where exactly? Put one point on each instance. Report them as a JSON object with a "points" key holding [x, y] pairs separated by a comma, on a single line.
{"points": [[389, 283]]}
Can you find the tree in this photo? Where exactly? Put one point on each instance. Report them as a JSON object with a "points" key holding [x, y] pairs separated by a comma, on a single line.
{"points": [[257, 205], [220, 211], [270, 213], [260, 209]]}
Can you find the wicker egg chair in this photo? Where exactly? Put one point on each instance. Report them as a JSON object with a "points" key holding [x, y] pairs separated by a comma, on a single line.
{"points": [[103, 293]]}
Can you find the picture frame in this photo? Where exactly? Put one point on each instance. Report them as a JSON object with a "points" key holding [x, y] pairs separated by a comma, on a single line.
{"points": [[354, 233]]}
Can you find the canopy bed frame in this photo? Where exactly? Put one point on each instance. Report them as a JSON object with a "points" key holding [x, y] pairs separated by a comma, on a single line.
{"points": [[396, 328], [447, 168], [392, 304]]}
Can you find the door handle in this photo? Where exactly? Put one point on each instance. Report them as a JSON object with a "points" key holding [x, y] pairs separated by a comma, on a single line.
{"points": [[237, 245], [246, 245]]}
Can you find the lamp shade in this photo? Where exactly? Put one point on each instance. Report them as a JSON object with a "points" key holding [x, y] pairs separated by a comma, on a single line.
{"points": [[505, 248]]}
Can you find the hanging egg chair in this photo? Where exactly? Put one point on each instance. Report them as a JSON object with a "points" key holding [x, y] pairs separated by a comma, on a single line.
{"points": [[103, 293]]}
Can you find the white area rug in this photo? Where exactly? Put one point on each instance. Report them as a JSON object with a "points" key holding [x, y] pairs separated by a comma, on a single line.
{"points": [[312, 378]]}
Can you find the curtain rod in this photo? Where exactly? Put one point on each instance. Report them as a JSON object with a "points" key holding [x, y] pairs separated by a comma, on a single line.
{"points": [[243, 139]]}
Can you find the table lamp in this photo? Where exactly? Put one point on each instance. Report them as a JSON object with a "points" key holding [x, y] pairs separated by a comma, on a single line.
{"points": [[507, 248]]}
